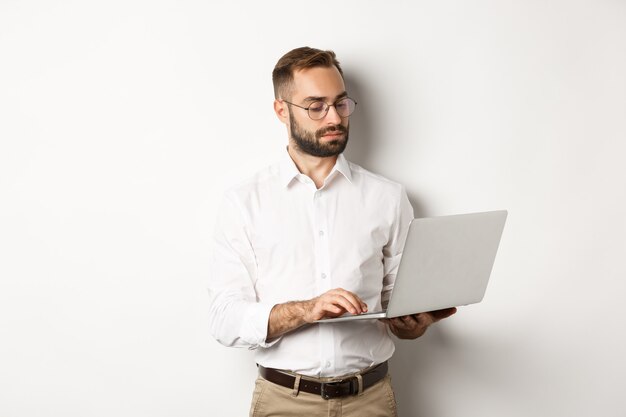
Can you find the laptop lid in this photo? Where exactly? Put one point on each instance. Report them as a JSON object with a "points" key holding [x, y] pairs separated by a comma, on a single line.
{"points": [[446, 262]]}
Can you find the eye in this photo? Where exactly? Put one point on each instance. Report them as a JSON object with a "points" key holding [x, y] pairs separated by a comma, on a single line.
{"points": [[317, 106], [341, 105]]}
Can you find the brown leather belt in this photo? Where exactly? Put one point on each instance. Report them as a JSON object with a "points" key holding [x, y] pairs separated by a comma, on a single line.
{"points": [[328, 390]]}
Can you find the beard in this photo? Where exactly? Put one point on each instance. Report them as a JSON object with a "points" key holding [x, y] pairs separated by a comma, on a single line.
{"points": [[310, 143]]}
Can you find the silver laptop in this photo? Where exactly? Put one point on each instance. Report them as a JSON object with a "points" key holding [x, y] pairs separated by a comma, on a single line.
{"points": [[446, 262]]}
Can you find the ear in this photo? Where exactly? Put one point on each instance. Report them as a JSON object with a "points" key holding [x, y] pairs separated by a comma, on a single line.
{"points": [[280, 108]]}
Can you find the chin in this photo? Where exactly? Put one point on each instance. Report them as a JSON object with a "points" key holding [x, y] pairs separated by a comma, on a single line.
{"points": [[336, 146]]}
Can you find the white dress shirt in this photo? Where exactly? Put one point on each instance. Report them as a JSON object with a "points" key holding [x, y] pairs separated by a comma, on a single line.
{"points": [[278, 238]]}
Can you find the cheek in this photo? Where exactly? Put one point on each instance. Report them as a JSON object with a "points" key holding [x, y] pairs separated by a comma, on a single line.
{"points": [[307, 127]]}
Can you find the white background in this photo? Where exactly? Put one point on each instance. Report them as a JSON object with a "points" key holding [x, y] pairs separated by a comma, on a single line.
{"points": [[122, 122]]}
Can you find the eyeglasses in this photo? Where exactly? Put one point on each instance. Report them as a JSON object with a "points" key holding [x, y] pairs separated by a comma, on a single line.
{"points": [[318, 109]]}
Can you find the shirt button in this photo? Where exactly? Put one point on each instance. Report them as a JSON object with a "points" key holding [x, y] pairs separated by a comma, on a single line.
{"points": [[323, 275], [328, 364], [321, 233]]}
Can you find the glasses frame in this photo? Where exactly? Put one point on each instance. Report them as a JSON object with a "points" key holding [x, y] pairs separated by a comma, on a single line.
{"points": [[328, 106]]}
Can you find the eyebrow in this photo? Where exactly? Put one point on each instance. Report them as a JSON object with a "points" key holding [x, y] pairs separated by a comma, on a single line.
{"points": [[316, 98]]}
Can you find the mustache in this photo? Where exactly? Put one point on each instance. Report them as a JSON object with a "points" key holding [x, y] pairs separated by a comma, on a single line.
{"points": [[332, 129]]}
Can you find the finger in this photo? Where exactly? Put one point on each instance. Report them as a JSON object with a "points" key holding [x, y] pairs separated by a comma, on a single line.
{"points": [[404, 326], [404, 322], [352, 298], [424, 319], [333, 308], [442, 314], [409, 319], [390, 322], [342, 302], [323, 309]]}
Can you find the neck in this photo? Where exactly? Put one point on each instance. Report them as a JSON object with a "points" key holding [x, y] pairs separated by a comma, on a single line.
{"points": [[313, 167]]}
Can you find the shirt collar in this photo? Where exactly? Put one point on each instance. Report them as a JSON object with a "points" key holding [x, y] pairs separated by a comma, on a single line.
{"points": [[289, 170], [343, 166]]}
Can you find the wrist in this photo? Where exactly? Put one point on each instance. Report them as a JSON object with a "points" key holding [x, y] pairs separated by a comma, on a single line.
{"points": [[287, 317], [305, 309]]}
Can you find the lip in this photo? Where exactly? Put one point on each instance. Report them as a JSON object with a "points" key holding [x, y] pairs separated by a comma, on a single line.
{"points": [[333, 135]]}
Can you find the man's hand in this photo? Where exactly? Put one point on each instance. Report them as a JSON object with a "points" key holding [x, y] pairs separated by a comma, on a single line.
{"points": [[333, 303], [415, 325]]}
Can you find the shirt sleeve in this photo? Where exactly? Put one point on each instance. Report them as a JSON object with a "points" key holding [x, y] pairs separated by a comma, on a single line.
{"points": [[236, 317], [392, 252]]}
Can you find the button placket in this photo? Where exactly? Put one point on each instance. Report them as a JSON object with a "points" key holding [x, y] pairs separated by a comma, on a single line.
{"points": [[321, 243], [327, 351]]}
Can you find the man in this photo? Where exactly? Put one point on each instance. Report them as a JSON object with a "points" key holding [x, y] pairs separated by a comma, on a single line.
{"points": [[313, 236]]}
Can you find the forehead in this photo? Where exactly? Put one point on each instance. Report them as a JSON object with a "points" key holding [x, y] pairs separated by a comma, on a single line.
{"points": [[317, 82]]}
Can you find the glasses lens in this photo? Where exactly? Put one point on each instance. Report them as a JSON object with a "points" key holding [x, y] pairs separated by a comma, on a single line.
{"points": [[345, 107], [317, 110]]}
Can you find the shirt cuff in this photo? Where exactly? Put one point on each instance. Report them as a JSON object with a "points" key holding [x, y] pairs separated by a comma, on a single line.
{"points": [[255, 324]]}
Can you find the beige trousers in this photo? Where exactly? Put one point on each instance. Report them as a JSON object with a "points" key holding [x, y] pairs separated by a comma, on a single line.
{"points": [[272, 400]]}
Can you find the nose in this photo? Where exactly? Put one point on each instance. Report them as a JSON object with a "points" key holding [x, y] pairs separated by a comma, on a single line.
{"points": [[332, 117]]}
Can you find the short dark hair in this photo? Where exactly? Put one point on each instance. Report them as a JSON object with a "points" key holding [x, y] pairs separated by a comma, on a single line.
{"points": [[298, 59]]}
